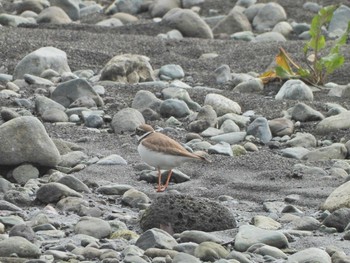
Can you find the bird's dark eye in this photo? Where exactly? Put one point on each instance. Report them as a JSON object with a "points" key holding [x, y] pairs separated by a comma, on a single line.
{"points": [[140, 132]]}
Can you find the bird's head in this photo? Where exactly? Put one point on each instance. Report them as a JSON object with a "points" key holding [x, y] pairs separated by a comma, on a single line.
{"points": [[143, 129]]}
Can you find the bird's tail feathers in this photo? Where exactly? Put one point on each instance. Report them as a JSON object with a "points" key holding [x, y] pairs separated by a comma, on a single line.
{"points": [[203, 156]]}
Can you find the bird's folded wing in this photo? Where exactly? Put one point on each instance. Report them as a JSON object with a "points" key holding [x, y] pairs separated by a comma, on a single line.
{"points": [[162, 143]]}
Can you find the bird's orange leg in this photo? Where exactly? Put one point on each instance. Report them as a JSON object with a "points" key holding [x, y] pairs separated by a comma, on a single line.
{"points": [[168, 179], [160, 186]]}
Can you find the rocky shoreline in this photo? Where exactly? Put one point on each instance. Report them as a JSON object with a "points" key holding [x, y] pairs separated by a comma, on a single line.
{"points": [[77, 79]]}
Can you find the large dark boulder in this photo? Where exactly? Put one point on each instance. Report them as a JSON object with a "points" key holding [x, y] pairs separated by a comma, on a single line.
{"points": [[184, 212]]}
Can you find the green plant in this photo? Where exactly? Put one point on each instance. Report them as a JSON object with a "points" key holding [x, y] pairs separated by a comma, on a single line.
{"points": [[317, 67]]}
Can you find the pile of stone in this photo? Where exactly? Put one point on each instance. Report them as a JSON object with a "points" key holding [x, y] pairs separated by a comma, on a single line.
{"points": [[47, 212]]}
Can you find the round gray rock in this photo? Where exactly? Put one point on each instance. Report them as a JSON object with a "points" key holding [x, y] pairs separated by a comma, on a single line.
{"points": [[68, 92], [334, 151], [146, 99], [222, 148], [181, 94], [74, 183], [94, 227], [281, 126], [300, 139], [268, 16], [174, 107], [25, 172], [53, 192], [259, 128], [10, 246], [206, 118], [135, 198], [13, 20], [93, 121], [158, 8], [334, 123], [339, 198], [210, 251], [53, 15], [54, 115], [310, 255], [295, 89], [184, 258], [221, 104], [71, 7], [40, 60], [171, 71], [251, 85], [303, 112], [188, 23], [230, 138], [43, 104], [22, 230], [249, 235], [156, 238], [270, 37], [223, 74], [283, 28], [8, 114], [31, 5], [340, 20], [339, 219], [234, 22], [15, 149], [127, 120]]}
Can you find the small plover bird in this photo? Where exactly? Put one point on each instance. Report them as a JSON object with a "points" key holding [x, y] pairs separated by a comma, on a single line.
{"points": [[162, 152]]}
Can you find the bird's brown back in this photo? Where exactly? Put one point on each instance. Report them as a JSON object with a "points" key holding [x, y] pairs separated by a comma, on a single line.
{"points": [[159, 142]]}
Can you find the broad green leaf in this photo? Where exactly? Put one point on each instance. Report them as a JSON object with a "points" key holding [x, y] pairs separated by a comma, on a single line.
{"points": [[283, 73], [317, 40], [334, 59], [321, 42], [315, 26], [332, 62], [318, 43], [335, 49], [326, 13]]}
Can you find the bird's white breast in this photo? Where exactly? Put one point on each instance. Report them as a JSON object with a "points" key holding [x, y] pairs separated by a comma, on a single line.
{"points": [[161, 160]]}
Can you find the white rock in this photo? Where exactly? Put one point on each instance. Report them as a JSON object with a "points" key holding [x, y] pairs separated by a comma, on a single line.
{"points": [[268, 16], [334, 151], [340, 20], [339, 198], [249, 235], [295, 89], [270, 37], [42, 59], [221, 104], [310, 255], [334, 123], [283, 28]]}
